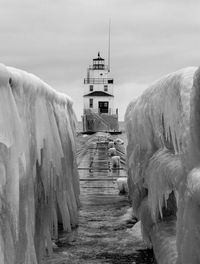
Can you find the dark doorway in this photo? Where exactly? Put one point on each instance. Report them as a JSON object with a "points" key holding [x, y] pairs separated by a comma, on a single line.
{"points": [[103, 107]]}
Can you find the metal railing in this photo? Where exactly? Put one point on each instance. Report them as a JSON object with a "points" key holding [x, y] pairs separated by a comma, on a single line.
{"points": [[97, 111], [98, 67], [93, 113], [98, 81]]}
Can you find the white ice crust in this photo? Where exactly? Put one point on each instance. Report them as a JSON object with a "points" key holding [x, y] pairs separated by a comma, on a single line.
{"points": [[39, 185], [163, 128]]}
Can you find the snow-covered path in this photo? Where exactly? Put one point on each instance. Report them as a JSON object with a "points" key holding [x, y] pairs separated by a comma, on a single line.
{"points": [[105, 233]]}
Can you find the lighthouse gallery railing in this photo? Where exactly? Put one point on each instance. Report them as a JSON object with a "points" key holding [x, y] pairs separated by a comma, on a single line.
{"points": [[98, 81]]}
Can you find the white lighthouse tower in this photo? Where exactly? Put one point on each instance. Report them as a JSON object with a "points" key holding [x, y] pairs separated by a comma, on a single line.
{"points": [[99, 113]]}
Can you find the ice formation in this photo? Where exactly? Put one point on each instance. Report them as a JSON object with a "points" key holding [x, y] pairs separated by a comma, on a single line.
{"points": [[39, 187], [122, 185], [112, 151], [115, 161], [111, 144], [163, 128]]}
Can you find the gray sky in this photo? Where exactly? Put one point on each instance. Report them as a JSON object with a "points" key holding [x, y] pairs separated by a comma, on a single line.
{"points": [[57, 39]]}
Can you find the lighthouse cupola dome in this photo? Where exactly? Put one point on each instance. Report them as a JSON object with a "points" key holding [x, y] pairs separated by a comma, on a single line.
{"points": [[98, 63]]}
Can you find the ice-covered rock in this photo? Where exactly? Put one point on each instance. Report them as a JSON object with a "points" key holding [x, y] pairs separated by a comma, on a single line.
{"points": [[122, 185], [39, 185], [119, 141], [163, 128], [111, 144], [112, 152], [115, 161]]}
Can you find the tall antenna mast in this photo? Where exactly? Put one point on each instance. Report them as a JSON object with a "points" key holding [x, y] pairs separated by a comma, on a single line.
{"points": [[109, 46]]}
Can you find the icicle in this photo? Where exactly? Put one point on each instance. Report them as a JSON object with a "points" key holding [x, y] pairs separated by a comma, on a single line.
{"points": [[38, 173], [157, 130]]}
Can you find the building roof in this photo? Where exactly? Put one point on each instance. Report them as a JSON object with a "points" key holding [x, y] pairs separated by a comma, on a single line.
{"points": [[98, 93], [99, 58]]}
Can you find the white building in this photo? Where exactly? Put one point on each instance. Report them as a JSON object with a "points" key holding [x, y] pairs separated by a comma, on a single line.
{"points": [[99, 113]]}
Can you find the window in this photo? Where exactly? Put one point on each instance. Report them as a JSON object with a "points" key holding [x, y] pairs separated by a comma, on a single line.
{"points": [[91, 102], [105, 88], [91, 88], [106, 104], [103, 107]]}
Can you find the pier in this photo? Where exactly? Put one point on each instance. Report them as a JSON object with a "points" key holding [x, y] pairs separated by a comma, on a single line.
{"points": [[106, 232]]}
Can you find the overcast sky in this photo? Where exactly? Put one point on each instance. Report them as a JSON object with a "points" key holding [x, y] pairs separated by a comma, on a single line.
{"points": [[57, 39]]}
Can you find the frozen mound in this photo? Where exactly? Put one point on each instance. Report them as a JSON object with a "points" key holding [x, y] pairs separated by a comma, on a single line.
{"points": [[39, 187], [122, 185], [163, 153]]}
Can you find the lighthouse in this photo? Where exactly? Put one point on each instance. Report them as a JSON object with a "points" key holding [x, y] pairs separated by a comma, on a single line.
{"points": [[99, 113]]}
